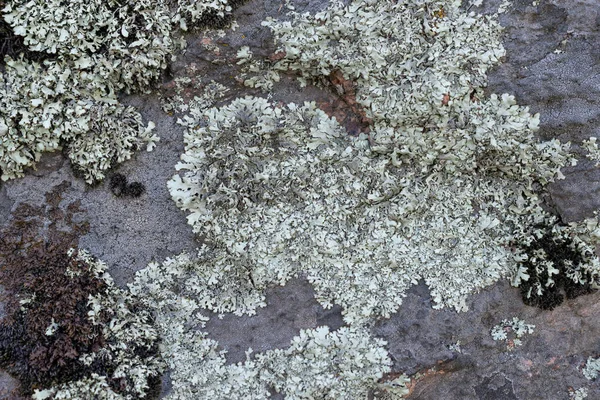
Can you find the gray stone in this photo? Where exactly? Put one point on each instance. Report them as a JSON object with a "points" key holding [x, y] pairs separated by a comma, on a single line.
{"points": [[289, 309], [563, 87]]}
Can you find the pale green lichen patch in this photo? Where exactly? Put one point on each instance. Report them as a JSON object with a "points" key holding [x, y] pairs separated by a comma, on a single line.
{"points": [[593, 153], [554, 259], [579, 394], [278, 191], [512, 331], [318, 364], [95, 50], [592, 368], [41, 109]]}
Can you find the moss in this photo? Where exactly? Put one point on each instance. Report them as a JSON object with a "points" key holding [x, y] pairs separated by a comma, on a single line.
{"points": [[135, 189], [65, 319], [119, 187], [555, 265], [118, 184]]}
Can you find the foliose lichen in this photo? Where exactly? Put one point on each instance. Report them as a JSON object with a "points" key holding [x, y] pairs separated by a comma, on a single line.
{"points": [[514, 328], [592, 368], [95, 50], [278, 191], [319, 364]]}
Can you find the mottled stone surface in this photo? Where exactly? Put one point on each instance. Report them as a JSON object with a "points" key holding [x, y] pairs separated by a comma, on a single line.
{"points": [[552, 65], [8, 387], [548, 362], [289, 309]]}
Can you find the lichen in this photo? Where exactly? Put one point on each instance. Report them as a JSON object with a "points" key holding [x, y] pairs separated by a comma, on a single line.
{"points": [[593, 153], [318, 364], [92, 51], [279, 191], [592, 368], [579, 394], [512, 331], [439, 187]]}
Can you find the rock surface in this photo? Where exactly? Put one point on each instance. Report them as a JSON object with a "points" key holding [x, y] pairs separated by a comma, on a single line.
{"points": [[552, 65]]}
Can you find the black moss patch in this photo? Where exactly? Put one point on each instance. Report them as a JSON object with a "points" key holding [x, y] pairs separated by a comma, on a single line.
{"points": [[119, 187], [118, 184], [565, 256], [135, 189]]}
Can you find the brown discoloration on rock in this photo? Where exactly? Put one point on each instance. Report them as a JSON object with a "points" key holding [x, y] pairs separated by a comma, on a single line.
{"points": [[280, 55], [345, 109]]}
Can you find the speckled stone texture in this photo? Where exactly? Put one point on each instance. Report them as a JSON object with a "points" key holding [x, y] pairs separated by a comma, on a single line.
{"points": [[552, 65]]}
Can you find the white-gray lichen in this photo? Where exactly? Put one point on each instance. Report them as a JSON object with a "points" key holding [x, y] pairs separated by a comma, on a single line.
{"points": [[512, 331], [41, 109], [206, 94], [96, 50], [282, 191], [593, 153], [592, 368], [579, 394], [553, 257], [129, 338], [319, 364]]}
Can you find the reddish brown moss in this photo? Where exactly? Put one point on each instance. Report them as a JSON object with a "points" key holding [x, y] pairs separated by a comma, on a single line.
{"points": [[45, 286]]}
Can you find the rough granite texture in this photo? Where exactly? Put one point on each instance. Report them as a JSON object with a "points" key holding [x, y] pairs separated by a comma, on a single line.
{"points": [[563, 86]]}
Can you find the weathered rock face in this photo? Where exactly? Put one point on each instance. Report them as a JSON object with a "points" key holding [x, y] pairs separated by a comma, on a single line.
{"points": [[552, 65], [422, 340]]}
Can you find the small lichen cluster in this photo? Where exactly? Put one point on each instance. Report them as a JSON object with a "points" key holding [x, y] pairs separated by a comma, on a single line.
{"points": [[516, 328], [42, 110], [94, 50], [592, 368], [593, 153], [180, 102], [255, 72], [579, 394]]}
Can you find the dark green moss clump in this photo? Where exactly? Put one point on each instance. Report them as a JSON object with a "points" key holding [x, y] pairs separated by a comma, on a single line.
{"points": [[135, 189], [557, 266], [118, 184]]}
